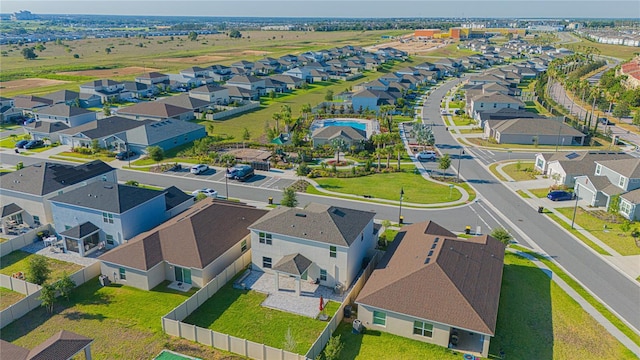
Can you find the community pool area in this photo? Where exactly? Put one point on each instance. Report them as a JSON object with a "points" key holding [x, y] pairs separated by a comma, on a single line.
{"points": [[369, 126]]}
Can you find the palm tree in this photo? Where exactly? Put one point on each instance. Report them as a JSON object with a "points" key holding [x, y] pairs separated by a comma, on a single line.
{"points": [[339, 145], [306, 110], [277, 117], [399, 149], [378, 140]]}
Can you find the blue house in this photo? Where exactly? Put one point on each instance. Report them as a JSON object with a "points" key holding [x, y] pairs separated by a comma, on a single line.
{"points": [[105, 214]]}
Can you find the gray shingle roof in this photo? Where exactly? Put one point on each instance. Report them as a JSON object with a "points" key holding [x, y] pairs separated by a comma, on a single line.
{"points": [[155, 132], [294, 264], [585, 162], [629, 168], [105, 127], [317, 222], [185, 101], [10, 209], [63, 110], [533, 127], [154, 109], [80, 231], [62, 96], [109, 197], [45, 178], [174, 197], [428, 273], [195, 238], [47, 127], [330, 132]]}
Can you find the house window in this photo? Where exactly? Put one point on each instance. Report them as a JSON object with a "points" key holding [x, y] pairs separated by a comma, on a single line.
{"points": [[123, 274], [265, 238], [379, 318], [625, 207], [108, 218], [36, 220], [266, 262], [110, 239], [333, 251], [481, 105], [598, 169], [323, 275], [495, 105], [243, 245], [423, 329], [621, 182]]}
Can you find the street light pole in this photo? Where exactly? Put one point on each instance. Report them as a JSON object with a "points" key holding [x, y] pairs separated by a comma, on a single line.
{"points": [[575, 207], [400, 211], [458, 171], [226, 182]]}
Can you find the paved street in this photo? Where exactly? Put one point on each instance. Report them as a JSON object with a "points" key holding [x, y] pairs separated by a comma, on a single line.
{"points": [[618, 291]]}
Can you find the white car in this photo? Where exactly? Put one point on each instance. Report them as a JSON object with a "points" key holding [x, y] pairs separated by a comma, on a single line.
{"points": [[443, 112], [199, 169], [209, 192], [427, 155]]}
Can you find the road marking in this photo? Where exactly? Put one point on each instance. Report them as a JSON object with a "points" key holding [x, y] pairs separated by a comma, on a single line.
{"points": [[269, 182], [490, 152]]}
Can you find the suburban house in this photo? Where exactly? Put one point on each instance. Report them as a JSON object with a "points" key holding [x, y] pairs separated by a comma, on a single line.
{"points": [[70, 115], [106, 89], [613, 177], [186, 101], [64, 345], [153, 79], [28, 103], [32, 187], [371, 99], [492, 100], [564, 167], [539, 131], [214, 94], [111, 213], [328, 244], [136, 90], [105, 131], [73, 98], [166, 134], [248, 82], [434, 287], [351, 136], [8, 112], [156, 111], [239, 94], [40, 130], [191, 248], [292, 82]]}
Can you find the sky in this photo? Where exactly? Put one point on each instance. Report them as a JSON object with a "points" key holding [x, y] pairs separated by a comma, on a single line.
{"points": [[332, 8]]}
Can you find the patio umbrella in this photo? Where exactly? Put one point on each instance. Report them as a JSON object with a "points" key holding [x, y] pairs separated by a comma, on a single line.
{"points": [[321, 303]]}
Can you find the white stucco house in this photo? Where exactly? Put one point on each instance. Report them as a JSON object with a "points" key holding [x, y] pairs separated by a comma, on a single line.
{"points": [[321, 243]]}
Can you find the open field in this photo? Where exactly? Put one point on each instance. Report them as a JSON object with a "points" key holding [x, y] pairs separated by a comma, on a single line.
{"points": [[161, 53], [617, 51], [25, 85], [18, 261], [129, 70], [123, 321], [239, 313], [450, 50], [412, 47], [612, 235]]}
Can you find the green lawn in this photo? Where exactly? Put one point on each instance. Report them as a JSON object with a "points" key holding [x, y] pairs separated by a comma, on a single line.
{"points": [[619, 240], [577, 234], [538, 320], [450, 51], [9, 297], [475, 130], [18, 261], [459, 120], [457, 104], [239, 313], [586, 295], [523, 194], [522, 174], [10, 143], [540, 193], [387, 186], [494, 171], [100, 156], [123, 321]]}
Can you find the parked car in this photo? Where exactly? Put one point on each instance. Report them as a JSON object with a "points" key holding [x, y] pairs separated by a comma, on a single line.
{"points": [[604, 121], [560, 195], [240, 172], [427, 155], [199, 169], [124, 155], [34, 144], [28, 121], [20, 144], [443, 112], [209, 192]]}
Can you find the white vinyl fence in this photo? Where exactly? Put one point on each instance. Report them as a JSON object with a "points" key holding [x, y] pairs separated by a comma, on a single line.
{"points": [[23, 240]]}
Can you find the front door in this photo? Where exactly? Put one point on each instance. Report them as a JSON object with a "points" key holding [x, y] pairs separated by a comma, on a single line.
{"points": [[183, 275]]}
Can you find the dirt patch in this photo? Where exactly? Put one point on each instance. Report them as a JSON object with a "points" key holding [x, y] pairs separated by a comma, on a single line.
{"points": [[195, 59], [411, 46], [255, 52], [131, 70], [24, 84]]}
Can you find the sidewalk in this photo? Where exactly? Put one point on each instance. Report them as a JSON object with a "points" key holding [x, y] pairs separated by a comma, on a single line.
{"points": [[630, 265], [583, 303]]}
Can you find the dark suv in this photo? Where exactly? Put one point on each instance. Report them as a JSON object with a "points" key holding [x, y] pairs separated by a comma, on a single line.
{"points": [[34, 144], [240, 172], [124, 155], [559, 195]]}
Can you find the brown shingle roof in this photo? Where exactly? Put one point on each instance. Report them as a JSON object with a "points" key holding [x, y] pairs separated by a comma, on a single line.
{"points": [[61, 346], [429, 274], [194, 238], [13, 352], [155, 109]]}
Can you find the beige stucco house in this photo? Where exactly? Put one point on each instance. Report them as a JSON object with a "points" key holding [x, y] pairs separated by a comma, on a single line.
{"points": [[434, 287]]}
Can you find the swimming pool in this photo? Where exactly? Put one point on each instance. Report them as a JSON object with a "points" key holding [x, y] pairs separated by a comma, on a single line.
{"points": [[369, 126], [354, 124]]}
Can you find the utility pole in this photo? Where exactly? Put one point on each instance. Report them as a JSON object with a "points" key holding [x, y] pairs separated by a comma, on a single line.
{"points": [[400, 220], [226, 182]]}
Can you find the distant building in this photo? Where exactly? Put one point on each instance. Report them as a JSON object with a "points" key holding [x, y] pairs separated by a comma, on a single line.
{"points": [[23, 15]]}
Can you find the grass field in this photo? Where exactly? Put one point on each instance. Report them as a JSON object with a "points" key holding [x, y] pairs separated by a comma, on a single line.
{"points": [[9, 297], [525, 173], [617, 51], [239, 313], [123, 321], [450, 50], [163, 54], [538, 320], [620, 241], [387, 186], [578, 235], [18, 261], [493, 168], [540, 193]]}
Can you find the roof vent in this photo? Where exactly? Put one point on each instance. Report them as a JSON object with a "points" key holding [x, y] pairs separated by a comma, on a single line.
{"points": [[305, 234], [301, 215]]}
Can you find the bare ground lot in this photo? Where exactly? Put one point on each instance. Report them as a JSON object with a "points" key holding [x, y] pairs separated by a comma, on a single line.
{"points": [[411, 46], [130, 70], [26, 84]]}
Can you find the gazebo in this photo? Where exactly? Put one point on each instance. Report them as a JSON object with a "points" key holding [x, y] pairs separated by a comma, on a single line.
{"points": [[293, 265], [62, 346]]}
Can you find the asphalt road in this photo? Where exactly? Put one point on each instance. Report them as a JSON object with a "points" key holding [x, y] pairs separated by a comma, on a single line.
{"points": [[615, 289]]}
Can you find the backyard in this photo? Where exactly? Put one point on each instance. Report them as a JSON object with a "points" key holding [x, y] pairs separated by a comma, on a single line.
{"points": [[18, 261], [124, 321], [388, 185], [9, 297], [239, 313], [612, 234]]}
